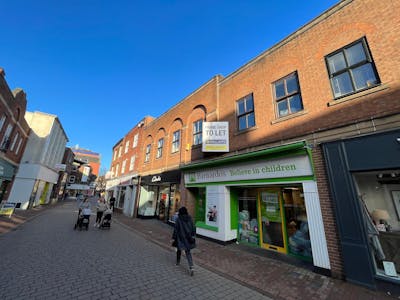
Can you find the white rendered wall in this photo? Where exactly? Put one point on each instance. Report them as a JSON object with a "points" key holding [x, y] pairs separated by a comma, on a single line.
{"points": [[22, 193], [316, 225], [221, 197]]}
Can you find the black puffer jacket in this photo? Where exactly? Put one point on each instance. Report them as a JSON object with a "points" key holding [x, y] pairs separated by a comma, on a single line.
{"points": [[184, 233]]}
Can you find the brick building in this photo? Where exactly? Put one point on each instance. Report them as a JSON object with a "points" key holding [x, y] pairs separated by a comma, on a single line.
{"points": [[122, 180], [167, 145], [14, 132], [312, 167], [89, 157]]}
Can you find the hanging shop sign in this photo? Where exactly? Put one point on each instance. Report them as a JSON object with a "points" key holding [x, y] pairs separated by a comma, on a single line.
{"points": [[60, 167], [215, 137], [274, 168], [85, 174]]}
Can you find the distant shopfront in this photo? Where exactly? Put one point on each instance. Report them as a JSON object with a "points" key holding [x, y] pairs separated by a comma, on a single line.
{"points": [[124, 190], [7, 172], [267, 198], [160, 195]]}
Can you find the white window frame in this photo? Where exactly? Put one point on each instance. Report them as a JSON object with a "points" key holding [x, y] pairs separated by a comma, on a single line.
{"points": [[126, 146], [135, 140], [3, 121], [160, 145], [6, 136], [132, 163], [16, 136], [147, 155], [123, 166], [176, 141], [19, 145]]}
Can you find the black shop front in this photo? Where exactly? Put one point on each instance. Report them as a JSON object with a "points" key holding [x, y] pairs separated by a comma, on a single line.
{"points": [[160, 195], [364, 178]]}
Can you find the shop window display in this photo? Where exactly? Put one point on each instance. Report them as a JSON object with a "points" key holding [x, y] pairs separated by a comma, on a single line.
{"points": [[200, 215], [121, 198], [271, 219], [281, 212], [379, 199], [163, 196], [147, 202], [248, 224], [299, 243], [174, 202]]}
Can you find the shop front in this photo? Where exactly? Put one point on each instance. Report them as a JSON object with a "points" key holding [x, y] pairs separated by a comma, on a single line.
{"points": [[266, 199], [7, 172], [125, 194], [364, 176], [160, 195]]}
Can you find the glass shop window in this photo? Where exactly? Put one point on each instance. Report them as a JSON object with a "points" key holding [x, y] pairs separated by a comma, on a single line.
{"points": [[174, 203], [297, 229], [148, 200], [248, 222], [379, 196]]}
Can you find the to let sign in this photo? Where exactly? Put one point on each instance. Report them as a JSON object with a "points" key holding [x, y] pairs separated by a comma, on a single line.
{"points": [[215, 137]]}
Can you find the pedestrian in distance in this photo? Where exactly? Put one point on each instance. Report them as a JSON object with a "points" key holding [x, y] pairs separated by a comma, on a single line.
{"points": [[101, 207], [184, 237], [112, 202]]}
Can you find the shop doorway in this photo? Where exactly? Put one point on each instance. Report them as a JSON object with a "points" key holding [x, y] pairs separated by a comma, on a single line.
{"points": [[272, 220], [248, 232]]}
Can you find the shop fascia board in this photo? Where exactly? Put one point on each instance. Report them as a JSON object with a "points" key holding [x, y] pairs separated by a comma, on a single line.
{"points": [[280, 151], [254, 181]]}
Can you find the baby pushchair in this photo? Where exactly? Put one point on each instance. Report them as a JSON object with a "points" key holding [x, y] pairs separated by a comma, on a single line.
{"points": [[83, 219], [106, 220]]}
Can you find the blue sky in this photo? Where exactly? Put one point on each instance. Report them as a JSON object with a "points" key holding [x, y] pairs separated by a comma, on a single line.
{"points": [[101, 66]]}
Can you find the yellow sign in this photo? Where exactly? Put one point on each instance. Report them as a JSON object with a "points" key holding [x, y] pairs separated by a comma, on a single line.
{"points": [[7, 210]]}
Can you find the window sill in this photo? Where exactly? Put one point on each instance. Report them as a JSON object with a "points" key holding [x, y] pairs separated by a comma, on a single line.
{"points": [[375, 89], [285, 118], [245, 130]]}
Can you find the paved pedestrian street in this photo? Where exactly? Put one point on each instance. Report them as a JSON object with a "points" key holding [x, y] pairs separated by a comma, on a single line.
{"points": [[46, 258]]}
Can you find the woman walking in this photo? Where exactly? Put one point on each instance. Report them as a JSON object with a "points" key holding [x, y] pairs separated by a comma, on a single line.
{"points": [[184, 237]]}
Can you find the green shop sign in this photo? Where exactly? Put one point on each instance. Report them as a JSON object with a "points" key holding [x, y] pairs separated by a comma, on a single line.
{"points": [[274, 168]]}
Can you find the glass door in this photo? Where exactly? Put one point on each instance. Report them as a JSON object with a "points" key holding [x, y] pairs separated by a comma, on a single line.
{"points": [[271, 220]]}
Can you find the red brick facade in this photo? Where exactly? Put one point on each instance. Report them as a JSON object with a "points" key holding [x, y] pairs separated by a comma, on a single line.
{"points": [[12, 112], [125, 149], [323, 118]]}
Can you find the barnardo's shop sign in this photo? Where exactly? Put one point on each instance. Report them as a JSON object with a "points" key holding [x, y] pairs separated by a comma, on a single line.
{"points": [[277, 168], [215, 137]]}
